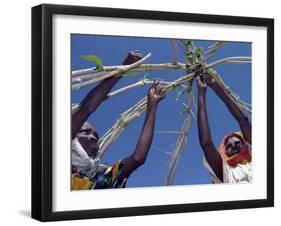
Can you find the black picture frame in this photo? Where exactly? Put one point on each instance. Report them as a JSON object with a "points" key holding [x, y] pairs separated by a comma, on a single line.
{"points": [[42, 107]]}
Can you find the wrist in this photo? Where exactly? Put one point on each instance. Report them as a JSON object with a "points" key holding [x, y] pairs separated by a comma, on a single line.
{"points": [[218, 89], [202, 92], [214, 84], [152, 104]]}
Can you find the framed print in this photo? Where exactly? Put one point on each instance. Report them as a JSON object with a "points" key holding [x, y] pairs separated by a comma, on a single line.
{"points": [[146, 112]]}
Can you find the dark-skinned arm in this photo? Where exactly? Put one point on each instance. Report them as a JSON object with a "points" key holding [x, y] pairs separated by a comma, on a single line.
{"points": [[211, 154], [238, 114], [97, 95], [155, 95]]}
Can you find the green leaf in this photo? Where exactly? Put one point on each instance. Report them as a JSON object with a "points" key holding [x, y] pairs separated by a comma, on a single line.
{"points": [[97, 60], [186, 108]]}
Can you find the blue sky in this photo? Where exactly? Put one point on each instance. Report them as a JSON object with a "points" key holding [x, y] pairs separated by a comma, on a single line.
{"points": [[190, 170]]}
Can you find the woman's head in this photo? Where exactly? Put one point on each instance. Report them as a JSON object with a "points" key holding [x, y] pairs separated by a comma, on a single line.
{"points": [[89, 139], [233, 145]]}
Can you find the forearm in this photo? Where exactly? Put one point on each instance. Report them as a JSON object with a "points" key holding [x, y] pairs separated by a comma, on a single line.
{"points": [[203, 124], [154, 96], [97, 95], [234, 109], [146, 137], [211, 154], [91, 102], [139, 156]]}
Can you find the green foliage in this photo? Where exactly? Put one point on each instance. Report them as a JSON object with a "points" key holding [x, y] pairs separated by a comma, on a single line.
{"points": [[194, 57], [186, 110], [97, 60]]}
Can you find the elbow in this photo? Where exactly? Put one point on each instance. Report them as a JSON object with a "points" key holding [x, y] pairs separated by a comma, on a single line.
{"points": [[86, 108], [90, 107], [138, 160]]}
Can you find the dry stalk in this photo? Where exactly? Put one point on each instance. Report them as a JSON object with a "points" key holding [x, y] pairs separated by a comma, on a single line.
{"points": [[92, 72], [111, 74], [181, 141], [213, 49], [131, 114], [140, 83], [231, 60], [175, 52], [182, 138], [135, 111], [231, 93]]}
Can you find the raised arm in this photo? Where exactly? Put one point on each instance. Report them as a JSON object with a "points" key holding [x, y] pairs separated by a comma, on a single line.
{"points": [[97, 95], [238, 114], [211, 154], [155, 95]]}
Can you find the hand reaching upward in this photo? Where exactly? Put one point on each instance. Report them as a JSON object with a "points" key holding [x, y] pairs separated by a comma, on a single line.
{"points": [[156, 93]]}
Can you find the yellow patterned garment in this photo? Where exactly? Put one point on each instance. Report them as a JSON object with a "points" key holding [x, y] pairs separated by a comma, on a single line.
{"points": [[108, 178], [78, 183]]}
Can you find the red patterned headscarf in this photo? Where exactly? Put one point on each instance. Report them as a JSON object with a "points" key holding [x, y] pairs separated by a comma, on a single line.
{"points": [[242, 157]]}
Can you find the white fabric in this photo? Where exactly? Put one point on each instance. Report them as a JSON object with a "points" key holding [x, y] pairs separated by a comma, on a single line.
{"points": [[81, 160], [242, 173]]}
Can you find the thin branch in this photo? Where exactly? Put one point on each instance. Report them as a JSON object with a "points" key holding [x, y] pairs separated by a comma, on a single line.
{"points": [[141, 68], [181, 141], [227, 89], [120, 124], [181, 47], [167, 132], [92, 72], [179, 81], [112, 73], [194, 116], [131, 114], [175, 52], [140, 83], [161, 150], [194, 101], [213, 49], [229, 60]]}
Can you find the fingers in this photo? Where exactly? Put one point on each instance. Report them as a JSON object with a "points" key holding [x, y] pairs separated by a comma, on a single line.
{"points": [[132, 57], [208, 79], [160, 90], [136, 53], [201, 81], [157, 89], [162, 94], [154, 85], [204, 81]]}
